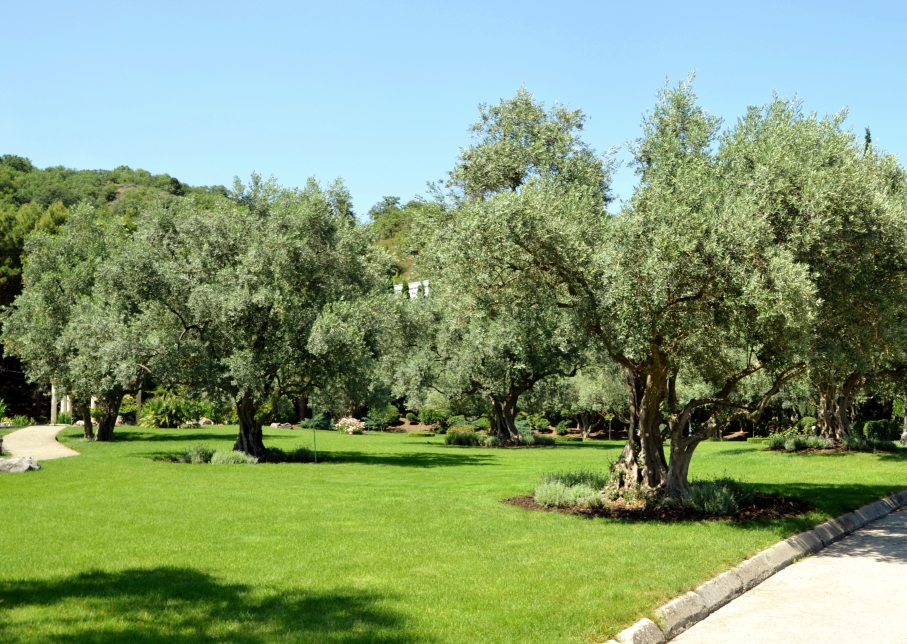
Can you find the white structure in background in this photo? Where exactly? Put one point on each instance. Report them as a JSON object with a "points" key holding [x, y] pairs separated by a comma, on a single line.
{"points": [[413, 289], [65, 405]]}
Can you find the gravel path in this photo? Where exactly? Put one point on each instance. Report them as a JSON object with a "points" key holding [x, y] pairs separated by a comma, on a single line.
{"points": [[852, 591], [39, 442]]}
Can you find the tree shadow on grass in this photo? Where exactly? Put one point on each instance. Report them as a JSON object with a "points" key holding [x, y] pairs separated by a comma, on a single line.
{"points": [[831, 498], [183, 435], [588, 445], [414, 459], [185, 605]]}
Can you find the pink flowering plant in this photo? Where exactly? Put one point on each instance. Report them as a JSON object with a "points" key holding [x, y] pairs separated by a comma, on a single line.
{"points": [[350, 425]]}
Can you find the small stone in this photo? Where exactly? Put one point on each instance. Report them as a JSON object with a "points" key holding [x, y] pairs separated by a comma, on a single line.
{"points": [[18, 465], [205, 421], [642, 632], [80, 423]]}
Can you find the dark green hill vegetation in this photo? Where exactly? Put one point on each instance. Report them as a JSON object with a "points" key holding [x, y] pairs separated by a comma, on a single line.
{"points": [[32, 199], [392, 222]]}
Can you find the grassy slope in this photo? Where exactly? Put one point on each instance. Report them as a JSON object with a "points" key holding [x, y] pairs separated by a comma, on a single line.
{"points": [[404, 541]]}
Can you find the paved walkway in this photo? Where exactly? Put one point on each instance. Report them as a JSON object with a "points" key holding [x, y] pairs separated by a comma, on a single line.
{"points": [[39, 442], [852, 591]]}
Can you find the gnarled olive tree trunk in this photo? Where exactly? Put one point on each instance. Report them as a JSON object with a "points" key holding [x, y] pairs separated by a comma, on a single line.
{"points": [[834, 406], [503, 412], [642, 461], [904, 428], [250, 437], [84, 410], [110, 409]]}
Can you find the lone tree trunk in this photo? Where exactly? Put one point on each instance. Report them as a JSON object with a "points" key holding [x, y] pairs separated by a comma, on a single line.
{"points": [[834, 406], [249, 439], [683, 446], [642, 461], [85, 412], [503, 411], [904, 428], [110, 409]]}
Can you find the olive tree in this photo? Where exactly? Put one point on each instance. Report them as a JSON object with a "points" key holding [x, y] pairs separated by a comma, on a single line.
{"points": [[499, 325], [838, 205], [243, 285], [684, 282], [67, 329]]}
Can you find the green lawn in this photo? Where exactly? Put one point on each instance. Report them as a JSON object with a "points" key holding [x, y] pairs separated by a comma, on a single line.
{"points": [[401, 539]]}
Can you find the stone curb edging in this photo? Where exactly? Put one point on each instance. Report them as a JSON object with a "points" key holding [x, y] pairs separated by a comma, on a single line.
{"points": [[681, 613]]}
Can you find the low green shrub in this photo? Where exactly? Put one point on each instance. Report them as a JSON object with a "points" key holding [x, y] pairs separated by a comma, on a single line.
{"points": [[318, 421], [856, 428], [430, 416], [491, 441], [537, 422], [380, 417], [882, 430], [64, 418], [599, 479], [775, 442], [411, 417], [558, 495], [720, 497], [22, 421], [298, 455], [198, 454], [568, 439], [856, 444], [463, 435], [542, 440], [759, 440], [806, 423], [167, 410], [795, 444], [482, 424], [225, 457], [561, 428], [817, 442]]}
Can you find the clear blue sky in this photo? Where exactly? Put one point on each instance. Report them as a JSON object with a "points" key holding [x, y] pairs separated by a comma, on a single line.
{"points": [[382, 93]]}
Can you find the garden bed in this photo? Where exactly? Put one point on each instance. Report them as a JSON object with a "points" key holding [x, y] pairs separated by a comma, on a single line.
{"points": [[765, 506]]}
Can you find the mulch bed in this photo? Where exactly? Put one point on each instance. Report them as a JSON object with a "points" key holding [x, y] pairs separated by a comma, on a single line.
{"points": [[766, 506]]}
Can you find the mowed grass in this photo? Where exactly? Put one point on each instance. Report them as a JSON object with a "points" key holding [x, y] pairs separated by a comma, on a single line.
{"points": [[396, 539]]}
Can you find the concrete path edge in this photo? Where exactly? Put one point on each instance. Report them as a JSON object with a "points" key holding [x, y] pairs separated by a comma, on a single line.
{"points": [[683, 612]]}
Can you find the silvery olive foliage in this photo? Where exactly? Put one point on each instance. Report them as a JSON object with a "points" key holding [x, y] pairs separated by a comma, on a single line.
{"points": [[244, 284], [495, 323], [68, 328]]}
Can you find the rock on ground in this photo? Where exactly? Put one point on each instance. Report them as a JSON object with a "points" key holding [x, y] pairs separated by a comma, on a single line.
{"points": [[17, 465]]}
